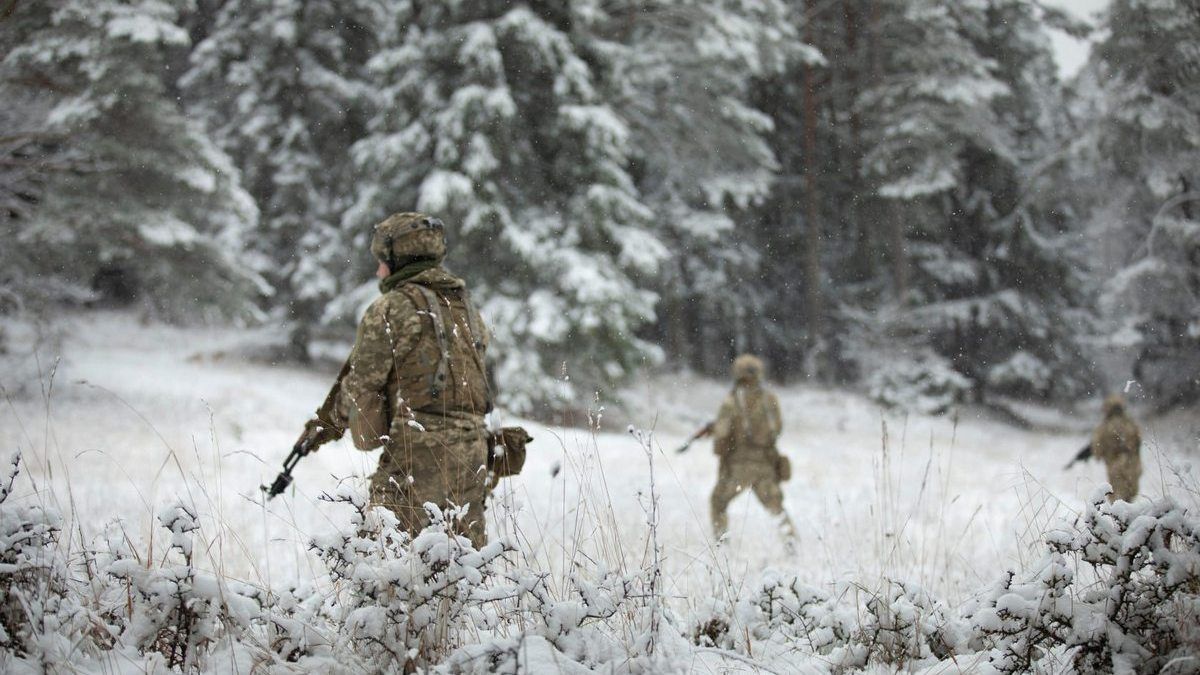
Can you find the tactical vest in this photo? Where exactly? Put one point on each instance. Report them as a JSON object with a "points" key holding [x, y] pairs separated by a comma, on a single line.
{"points": [[444, 372], [756, 423], [1117, 437]]}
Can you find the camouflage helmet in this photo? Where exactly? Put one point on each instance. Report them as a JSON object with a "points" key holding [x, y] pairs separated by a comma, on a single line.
{"points": [[1114, 404], [748, 368], [406, 237]]}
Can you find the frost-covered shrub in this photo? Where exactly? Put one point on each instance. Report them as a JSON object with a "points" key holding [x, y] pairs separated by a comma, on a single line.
{"points": [[903, 624], [1016, 621], [402, 602], [898, 625], [786, 607], [1119, 587], [1145, 610], [174, 609], [928, 385], [34, 599], [1116, 590], [1021, 374]]}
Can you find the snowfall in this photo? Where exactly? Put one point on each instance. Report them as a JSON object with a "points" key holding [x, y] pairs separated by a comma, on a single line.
{"points": [[119, 417]]}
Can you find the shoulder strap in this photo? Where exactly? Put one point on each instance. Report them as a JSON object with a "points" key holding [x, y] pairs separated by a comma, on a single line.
{"points": [[437, 381], [477, 343]]}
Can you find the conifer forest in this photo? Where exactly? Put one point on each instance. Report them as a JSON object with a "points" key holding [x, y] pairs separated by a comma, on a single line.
{"points": [[802, 336], [899, 195]]}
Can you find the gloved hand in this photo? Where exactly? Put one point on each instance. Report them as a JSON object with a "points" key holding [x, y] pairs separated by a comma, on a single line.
{"points": [[316, 433]]}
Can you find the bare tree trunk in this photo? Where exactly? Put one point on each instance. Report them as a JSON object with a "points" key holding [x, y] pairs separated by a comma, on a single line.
{"points": [[813, 300], [891, 221], [894, 223]]}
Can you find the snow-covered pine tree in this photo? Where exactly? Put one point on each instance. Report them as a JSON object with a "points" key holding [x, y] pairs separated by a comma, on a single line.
{"points": [[496, 117], [812, 234], [280, 84], [683, 71], [965, 130], [30, 151], [1144, 170], [152, 211]]}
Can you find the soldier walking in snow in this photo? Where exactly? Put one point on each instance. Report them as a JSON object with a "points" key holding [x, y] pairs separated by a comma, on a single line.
{"points": [[1118, 441], [415, 381], [744, 436]]}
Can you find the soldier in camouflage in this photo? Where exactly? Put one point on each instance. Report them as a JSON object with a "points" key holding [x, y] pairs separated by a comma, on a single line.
{"points": [[416, 382], [744, 436], [1118, 441]]}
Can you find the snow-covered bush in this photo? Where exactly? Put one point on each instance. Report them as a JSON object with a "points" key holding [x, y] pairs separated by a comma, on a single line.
{"points": [[402, 602], [928, 385], [898, 625], [173, 608], [33, 579], [1117, 589], [1021, 374]]}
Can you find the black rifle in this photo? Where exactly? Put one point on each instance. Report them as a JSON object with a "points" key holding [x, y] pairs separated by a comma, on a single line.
{"points": [[1084, 455], [317, 432], [704, 431]]}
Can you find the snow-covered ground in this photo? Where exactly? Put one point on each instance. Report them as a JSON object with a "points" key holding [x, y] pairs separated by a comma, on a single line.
{"points": [[129, 416]]}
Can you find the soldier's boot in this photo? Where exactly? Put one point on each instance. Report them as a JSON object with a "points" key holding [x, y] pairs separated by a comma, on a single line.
{"points": [[720, 524], [786, 527], [1124, 486], [718, 503]]}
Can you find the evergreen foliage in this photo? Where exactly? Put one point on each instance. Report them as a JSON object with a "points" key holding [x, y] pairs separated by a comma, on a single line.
{"points": [[282, 87], [685, 72], [1147, 141], [497, 118], [150, 210], [897, 194]]}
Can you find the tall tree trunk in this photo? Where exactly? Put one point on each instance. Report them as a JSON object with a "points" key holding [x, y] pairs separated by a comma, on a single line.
{"points": [[813, 299], [890, 218], [894, 223]]}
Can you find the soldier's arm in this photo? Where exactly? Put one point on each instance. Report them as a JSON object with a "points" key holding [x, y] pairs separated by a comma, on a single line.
{"points": [[722, 428], [1102, 442], [385, 334]]}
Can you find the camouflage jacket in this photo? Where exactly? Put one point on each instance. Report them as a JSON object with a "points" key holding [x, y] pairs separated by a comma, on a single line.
{"points": [[749, 420], [417, 362], [1117, 438]]}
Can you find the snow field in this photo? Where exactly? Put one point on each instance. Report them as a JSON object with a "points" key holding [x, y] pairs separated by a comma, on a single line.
{"points": [[133, 418]]}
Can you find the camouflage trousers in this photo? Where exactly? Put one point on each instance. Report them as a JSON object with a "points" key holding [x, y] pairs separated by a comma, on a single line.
{"points": [[445, 467], [757, 471], [1124, 473]]}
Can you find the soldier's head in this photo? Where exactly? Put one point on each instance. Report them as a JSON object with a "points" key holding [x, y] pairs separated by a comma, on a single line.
{"points": [[748, 369], [405, 238], [1114, 405]]}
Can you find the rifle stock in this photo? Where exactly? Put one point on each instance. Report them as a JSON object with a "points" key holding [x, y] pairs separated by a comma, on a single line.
{"points": [[704, 431], [317, 432], [1082, 456]]}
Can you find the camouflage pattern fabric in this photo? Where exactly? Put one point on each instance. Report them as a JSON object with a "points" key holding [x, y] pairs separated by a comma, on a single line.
{"points": [[432, 428], [443, 466], [744, 437], [739, 472], [400, 350], [749, 418], [1117, 442], [405, 237]]}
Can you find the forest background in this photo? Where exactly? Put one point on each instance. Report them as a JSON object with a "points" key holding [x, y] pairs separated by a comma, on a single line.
{"points": [[902, 196]]}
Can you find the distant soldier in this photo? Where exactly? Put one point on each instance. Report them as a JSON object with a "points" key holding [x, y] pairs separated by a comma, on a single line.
{"points": [[416, 383], [1118, 441], [744, 436]]}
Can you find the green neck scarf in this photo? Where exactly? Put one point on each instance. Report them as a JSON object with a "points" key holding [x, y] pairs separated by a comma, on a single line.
{"points": [[405, 273]]}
